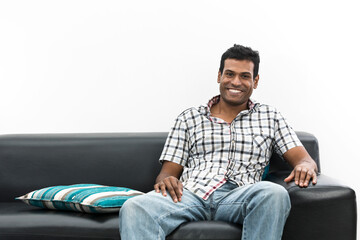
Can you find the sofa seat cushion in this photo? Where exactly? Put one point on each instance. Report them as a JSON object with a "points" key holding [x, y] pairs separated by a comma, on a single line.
{"points": [[20, 221], [207, 230]]}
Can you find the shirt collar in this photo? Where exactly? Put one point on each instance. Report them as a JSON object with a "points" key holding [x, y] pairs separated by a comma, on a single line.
{"points": [[252, 104]]}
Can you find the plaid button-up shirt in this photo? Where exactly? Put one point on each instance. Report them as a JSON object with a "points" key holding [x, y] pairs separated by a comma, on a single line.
{"points": [[213, 151]]}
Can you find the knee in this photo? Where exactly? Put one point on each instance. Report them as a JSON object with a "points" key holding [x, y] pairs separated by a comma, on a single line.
{"points": [[273, 188], [143, 205], [131, 207], [274, 194]]}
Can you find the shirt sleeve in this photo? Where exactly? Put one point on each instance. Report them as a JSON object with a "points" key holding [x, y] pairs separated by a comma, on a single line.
{"points": [[176, 148], [285, 136]]}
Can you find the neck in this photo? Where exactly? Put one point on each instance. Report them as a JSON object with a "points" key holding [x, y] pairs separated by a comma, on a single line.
{"points": [[226, 108], [226, 111]]}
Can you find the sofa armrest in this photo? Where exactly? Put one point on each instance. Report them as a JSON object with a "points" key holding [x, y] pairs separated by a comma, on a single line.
{"points": [[326, 210]]}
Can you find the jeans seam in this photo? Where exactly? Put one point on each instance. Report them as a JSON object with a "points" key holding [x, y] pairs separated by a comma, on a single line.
{"points": [[224, 204], [233, 203], [159, 233], [288, 211], [180, 210]]}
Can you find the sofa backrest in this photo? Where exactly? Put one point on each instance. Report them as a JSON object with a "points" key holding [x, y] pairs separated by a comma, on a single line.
{"points": [[33, 161]]}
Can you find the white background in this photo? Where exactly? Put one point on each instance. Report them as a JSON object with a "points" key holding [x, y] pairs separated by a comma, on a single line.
{"points": [[124, 66]]}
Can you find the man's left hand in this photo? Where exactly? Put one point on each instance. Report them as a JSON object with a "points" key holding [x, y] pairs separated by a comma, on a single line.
{"points": [[305, 167], [302, 174]]}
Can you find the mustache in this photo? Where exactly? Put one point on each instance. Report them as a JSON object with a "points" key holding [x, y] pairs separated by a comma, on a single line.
{"points": [[236, 87]]}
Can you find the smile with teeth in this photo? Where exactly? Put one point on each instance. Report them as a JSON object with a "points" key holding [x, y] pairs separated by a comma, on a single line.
{"points": [[234, 90]]}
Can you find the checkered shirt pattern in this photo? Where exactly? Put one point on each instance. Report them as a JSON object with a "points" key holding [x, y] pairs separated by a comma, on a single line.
{"points": [[213, 151]]}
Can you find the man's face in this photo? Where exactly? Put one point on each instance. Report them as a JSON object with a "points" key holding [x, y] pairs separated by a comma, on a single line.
{"points": [[237, 82]]}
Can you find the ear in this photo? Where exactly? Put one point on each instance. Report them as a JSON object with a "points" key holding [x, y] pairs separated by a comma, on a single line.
{"points": [[256, 81], [219, 77]]}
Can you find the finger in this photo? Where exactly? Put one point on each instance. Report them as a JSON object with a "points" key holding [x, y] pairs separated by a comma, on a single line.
{"points": [[171, 190], [290, 177], [314, 177], [181, 187], [303, 174], [156, 188], [297, 175], [163, 189], [175, 185], [178, 186], [307, 179]]}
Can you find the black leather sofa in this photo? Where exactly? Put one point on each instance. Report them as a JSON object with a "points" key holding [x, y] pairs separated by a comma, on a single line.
{"points": [[32, 161]]}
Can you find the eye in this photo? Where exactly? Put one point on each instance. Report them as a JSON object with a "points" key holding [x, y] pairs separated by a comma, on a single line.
{"points": [[229, 74], [245, 76]]}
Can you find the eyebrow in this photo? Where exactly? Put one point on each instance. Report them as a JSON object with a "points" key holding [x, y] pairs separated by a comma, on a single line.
{"points": [[228, 70]]}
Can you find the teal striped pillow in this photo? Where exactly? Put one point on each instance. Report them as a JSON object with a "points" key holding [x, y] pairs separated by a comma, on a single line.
{"points": [[89, 198]]}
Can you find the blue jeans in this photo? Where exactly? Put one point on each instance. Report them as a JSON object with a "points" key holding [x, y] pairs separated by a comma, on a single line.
{"points": [[262, 208]]}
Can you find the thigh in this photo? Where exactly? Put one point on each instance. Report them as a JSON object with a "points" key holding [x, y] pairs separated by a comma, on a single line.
{"points": [[157, 215], [163, 209], [190, 208], [234, 206]]}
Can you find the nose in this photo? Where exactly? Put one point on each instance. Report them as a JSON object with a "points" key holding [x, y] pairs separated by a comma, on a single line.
{"points": [[236, 81]]}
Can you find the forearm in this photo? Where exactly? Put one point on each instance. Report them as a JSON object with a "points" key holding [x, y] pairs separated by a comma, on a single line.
{"points": [[299, 155], [169, 169], [162, 175]]}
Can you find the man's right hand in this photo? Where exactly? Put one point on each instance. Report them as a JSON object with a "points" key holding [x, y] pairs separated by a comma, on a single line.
{"points": [[172, 185], [168, 181]]}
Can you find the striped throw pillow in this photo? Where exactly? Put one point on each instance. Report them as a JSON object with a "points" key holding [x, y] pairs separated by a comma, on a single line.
{"points": [[89, 198]]}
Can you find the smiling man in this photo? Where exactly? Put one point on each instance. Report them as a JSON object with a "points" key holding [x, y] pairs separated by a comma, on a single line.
{"points": [[215, 158]]}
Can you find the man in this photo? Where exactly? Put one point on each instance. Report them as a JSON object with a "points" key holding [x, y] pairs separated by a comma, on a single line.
{"points": [[214, 160]]}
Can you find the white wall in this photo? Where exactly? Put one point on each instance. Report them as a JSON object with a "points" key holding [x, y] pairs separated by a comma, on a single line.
{"points": [[114, 66]]}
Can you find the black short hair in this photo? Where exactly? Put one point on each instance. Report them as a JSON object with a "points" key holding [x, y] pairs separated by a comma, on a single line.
{"points": [[240, 52]]}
